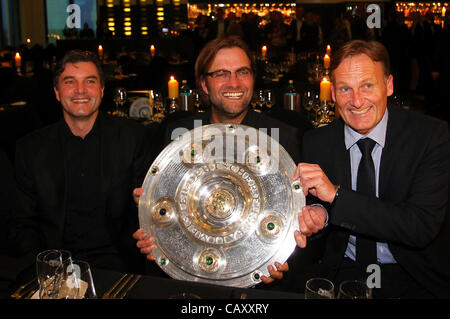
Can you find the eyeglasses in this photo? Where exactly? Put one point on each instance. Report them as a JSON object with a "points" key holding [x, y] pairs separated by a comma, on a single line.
{"points": [[225, 75]]}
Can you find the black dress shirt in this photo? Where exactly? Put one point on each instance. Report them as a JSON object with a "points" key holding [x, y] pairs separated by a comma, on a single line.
{"points": [[85, 230]]}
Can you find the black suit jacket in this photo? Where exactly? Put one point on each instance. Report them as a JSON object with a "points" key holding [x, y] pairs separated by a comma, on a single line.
{"points": [[413, 193], [39, 216]]}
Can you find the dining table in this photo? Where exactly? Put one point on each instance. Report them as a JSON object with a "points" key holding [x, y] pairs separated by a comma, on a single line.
{"points": [[15, 272]]}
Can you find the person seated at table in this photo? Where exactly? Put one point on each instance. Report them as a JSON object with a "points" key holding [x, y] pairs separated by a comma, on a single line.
{"points": [[383, 177], [225, 76], [6, 194], [74, 178]]}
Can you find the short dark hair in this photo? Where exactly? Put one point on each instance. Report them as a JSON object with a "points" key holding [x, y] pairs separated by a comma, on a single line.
{"points": [[75, 56], [373, 49], [209, 52]]}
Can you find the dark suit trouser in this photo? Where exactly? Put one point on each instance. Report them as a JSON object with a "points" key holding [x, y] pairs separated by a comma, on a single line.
{"points": [[395, 281]]}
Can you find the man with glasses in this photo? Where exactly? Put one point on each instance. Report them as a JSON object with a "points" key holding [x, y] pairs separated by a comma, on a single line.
{"points": [[225, 77]]}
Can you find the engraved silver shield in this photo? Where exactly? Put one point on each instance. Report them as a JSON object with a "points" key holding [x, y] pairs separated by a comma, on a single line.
{"points": [[221, 204]]}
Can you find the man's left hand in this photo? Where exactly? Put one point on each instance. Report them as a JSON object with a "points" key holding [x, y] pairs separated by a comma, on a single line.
{"points": [[275, 273]]}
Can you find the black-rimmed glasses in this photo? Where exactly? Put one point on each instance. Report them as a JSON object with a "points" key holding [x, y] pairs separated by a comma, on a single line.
{"points": [[225, 75]]}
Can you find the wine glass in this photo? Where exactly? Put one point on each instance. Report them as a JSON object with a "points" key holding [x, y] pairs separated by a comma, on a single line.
{"points": [[258, 100], [48, 264], [120, 98], [354, 289], [308, 100], [56, 281], [83, 274], [319, 288], [269, 99]]}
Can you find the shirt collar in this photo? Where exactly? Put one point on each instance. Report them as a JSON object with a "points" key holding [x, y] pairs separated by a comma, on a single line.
{"points": [[378, 134], [93, 132]]}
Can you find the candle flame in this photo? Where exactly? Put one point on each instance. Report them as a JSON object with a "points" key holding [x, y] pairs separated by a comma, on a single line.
{"points": [[172, 78], [100, 47], [17, 55]]}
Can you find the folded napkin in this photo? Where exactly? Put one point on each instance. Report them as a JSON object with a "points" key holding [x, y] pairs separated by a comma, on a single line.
{"points": [[66, 290]]}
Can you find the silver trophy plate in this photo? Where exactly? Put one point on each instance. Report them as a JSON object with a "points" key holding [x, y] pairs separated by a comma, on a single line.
{"points": [[221, 204]]}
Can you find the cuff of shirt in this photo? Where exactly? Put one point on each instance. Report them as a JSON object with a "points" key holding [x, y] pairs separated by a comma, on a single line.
{"points": [[326, 221]]}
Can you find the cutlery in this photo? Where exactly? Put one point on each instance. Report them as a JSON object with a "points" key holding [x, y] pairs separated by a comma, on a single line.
{"points": [[31, 293], [117, 287], [133, 282], [18, 293]]}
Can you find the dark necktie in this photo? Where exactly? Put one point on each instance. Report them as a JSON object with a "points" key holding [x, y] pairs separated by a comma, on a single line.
{"points": [[366, 251]]}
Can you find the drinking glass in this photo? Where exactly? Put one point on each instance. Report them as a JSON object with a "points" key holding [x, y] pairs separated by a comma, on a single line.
{"points": [[55, 278], [83, 275], [48, 266], [158, 102], [120, 98], [308, 100], [354, 289], [258, 100], [269, 98], [319, 288]]}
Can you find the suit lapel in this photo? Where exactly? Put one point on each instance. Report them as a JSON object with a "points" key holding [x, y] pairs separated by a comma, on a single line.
{"points": [[393, 138], [341, 157]]}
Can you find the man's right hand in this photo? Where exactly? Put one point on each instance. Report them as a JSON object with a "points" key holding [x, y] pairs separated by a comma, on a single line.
{"points": [[145, 243], [137, 193]]}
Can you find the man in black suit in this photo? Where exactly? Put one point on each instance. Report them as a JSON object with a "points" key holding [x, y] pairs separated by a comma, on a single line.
{"points": [[386, 204], [74, 178], [225, 77]]}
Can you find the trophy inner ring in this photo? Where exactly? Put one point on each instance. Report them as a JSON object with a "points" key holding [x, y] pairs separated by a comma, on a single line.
{"points": [[218, 206]]}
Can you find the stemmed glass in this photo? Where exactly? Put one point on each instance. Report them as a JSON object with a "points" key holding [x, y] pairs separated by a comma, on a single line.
{"points": [[120, 98], [308, 103], [55, 276], [354, 289], [258, 100], [314, 102], [319, 288], [269, 99]]}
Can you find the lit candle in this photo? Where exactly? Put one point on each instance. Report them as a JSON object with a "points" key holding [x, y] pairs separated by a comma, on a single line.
{"points": [[325, 90], [443, 12], [18, 59], [150, 102], [264, 51], [100, 51], [326, 61], [173, 88], [152, 50], [328, 50], [28, 40]]}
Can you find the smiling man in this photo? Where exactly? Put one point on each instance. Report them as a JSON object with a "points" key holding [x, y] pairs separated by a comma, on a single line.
{"points": [[74, 177], [382, 173], [225, 76]]}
